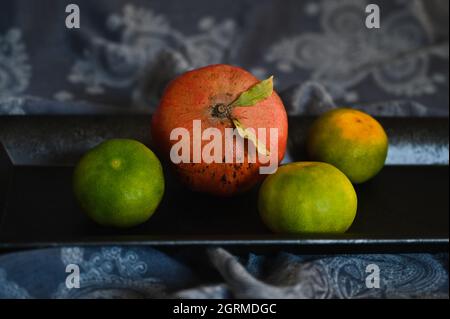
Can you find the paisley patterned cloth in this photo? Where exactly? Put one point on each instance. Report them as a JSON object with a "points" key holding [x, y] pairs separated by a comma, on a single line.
{"points": [[136, 272], [121, 59], [125, 52]]}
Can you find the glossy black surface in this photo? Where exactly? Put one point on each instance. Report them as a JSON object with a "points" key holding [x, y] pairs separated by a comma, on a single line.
{"points": [[404, 206]]}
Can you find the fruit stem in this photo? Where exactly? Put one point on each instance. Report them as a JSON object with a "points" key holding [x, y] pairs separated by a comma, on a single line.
{"points": [[221, 110]]}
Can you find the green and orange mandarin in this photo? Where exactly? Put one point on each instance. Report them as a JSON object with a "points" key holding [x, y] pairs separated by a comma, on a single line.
{"points": [[307, 197], [119, 183], [351, 140]]}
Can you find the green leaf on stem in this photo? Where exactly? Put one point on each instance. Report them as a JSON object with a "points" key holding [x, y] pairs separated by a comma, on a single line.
{"points": [[248, 134], [255, 94]]}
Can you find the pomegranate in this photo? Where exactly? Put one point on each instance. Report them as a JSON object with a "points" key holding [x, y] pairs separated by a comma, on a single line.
{"points": [[206, 98]]}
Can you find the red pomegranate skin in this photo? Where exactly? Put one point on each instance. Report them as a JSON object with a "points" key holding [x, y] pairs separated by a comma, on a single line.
{"points": [[194, 96]]}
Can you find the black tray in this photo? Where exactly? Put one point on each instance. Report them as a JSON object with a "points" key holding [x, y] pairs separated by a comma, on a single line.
{"points": [[405, 207]]}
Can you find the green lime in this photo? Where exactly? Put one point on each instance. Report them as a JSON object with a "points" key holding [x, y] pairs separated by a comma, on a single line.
{"points": [[351, 140], [307, 197], [119, 183]]}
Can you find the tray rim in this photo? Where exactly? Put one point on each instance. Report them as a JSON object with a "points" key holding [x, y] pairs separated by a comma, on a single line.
{"points": [[320, 245]]}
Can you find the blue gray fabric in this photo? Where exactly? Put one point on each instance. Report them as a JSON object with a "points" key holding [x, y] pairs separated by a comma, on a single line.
{"points": [[126, 51], [124, 54], [137, 272]]}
